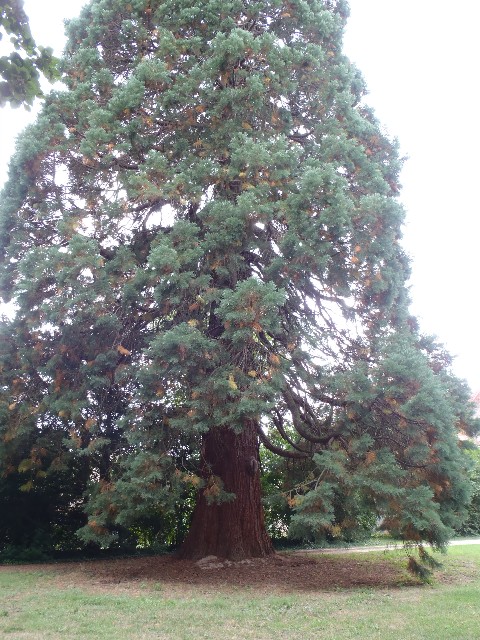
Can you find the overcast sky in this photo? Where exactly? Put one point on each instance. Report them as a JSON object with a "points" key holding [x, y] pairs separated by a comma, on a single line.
{"points": [[420, 60]]}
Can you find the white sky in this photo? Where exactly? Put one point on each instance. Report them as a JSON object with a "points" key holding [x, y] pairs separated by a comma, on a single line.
{"points": [[420, 60]]}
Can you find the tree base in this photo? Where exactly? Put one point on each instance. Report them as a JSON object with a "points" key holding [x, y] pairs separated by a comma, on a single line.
{"points": [[233, 530]]}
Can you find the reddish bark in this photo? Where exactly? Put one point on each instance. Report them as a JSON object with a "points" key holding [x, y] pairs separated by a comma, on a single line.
{"points": [[235, 529]]}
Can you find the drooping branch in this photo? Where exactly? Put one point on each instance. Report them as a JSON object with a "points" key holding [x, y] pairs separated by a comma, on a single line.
{"points": [[285, 453], [277, 420], [300, 421]]}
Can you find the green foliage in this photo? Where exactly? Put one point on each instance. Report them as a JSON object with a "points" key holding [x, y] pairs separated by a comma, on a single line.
{"points": [[20, 70], [423, 568], [471, 525], [202, 232]]}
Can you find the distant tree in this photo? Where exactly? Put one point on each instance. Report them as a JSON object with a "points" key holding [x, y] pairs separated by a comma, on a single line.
{"points": [[201, 235], [20, 70], [471, 525]]}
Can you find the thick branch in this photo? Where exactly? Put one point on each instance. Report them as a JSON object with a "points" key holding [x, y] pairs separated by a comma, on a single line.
{"points": [[296, 455], [299, 421], [278, 422]]}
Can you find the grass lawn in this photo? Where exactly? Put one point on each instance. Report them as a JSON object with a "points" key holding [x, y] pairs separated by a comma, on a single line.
{"points": [[42, 603]]}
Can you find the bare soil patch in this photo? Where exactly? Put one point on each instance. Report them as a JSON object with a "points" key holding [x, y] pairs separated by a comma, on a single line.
{"points": [[281, 573]]}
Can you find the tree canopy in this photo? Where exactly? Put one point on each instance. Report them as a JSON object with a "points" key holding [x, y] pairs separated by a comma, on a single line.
{"points": [[201, 235], [21, 69]]}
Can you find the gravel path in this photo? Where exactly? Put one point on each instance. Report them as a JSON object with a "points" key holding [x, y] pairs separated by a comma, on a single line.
{"points": [[379, 547]]}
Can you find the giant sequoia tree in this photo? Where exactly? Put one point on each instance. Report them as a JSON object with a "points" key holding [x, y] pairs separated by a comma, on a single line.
{"points": [[201, 235]]}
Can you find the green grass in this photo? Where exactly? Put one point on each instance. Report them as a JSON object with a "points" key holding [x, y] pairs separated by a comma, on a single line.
{"points": [[33, 605]]}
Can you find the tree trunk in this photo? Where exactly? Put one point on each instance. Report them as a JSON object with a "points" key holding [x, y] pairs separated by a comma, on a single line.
{"points": [[234, 529]]}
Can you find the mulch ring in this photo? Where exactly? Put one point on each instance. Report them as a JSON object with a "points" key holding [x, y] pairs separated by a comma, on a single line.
{"points": [[280, 573]]}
